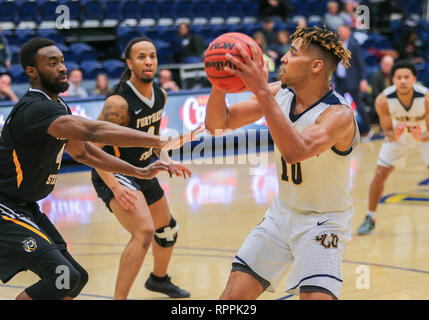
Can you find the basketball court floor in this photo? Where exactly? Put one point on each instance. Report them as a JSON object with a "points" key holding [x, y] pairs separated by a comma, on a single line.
{"points": [[217, 208]]}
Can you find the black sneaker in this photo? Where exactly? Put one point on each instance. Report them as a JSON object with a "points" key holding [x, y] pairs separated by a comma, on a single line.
{"points": [[164, 285]]}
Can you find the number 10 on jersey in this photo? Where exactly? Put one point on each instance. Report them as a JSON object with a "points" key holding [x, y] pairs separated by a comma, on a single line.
{"points": [[295, 172]]}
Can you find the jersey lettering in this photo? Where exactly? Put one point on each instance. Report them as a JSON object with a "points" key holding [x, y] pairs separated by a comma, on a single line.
{"points": [[295, 170]]}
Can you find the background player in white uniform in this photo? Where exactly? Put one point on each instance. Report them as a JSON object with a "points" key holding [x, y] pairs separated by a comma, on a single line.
{"points": [[403, 110], [314, 133]]}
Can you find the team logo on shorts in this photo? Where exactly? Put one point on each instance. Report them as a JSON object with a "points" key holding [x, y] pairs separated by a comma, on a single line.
{"points": [[331, 243], [29, 244]]}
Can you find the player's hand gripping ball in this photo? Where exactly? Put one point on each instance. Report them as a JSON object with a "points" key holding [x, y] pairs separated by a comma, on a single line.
{"points": [[215, 61]]}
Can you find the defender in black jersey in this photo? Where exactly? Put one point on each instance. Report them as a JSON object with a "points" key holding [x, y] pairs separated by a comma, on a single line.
{"points": [[139, 205], [36, 133]]}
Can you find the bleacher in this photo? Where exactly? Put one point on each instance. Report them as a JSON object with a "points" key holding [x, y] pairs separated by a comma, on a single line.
{"points": [[100, 29]]}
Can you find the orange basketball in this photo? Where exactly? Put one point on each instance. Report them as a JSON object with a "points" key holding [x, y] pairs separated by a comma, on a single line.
{"points": [[215, 61]]}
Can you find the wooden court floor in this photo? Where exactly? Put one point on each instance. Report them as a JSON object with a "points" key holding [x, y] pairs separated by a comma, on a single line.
{"points": [[218, 207]]}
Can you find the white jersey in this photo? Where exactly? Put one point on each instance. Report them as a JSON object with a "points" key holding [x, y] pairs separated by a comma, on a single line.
{"points": [[319, 183], [414, 115]]}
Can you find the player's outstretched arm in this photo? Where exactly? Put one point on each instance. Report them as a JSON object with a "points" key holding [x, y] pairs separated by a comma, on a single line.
{"points": [[110, 131], [81, 129], [91, 155]]}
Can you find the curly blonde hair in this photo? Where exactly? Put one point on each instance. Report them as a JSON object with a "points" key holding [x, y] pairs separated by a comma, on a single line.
{"points": [[326, 39]]}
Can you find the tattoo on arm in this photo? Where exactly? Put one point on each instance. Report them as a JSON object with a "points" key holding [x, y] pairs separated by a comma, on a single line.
{"points": [[115, 110]]}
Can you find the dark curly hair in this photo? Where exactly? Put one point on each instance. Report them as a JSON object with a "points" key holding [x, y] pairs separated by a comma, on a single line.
{"points": [[325, 39]]}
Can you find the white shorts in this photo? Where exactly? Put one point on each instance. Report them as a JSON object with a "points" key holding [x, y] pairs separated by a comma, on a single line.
{"points": [[394, 154], [314, 242]]}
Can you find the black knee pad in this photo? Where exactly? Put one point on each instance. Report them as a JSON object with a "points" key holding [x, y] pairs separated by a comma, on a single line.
{"points": [[84, 277], [57, 282], [60, 276], [167, 236]]}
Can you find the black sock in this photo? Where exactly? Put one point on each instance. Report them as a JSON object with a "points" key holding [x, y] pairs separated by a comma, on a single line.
{"points": [[156, 278]]}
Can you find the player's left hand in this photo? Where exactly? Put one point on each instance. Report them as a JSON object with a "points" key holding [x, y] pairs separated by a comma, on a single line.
{"points": [[253, 70], [172, 143], [416, 132]]}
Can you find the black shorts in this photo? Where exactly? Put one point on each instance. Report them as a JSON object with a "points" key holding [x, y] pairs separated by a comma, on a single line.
{"points": [[150, 188], [25, 233]]}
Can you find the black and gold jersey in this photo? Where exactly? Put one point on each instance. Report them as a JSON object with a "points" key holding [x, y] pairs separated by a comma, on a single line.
{"points": [[30, 158], [145, 115]]}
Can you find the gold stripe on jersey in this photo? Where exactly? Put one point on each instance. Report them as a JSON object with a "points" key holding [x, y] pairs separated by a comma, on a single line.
{"points": [[23, 224], [117, 152], [18, 169]]}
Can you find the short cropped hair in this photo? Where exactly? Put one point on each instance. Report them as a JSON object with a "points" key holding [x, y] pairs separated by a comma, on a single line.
{"points": [[28, 51], [404, 64]]}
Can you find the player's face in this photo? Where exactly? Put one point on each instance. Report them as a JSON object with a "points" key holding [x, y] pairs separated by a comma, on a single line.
{"points": [[404, 80], [295, 65], [51, 70], [143, 61]]}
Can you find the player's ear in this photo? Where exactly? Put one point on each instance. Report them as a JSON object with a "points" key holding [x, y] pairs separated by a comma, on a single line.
{"points": [[129, 64], [318, 65], [31, 72]]}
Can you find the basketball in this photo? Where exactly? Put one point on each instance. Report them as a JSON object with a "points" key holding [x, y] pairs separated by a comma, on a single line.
{"points": [[215, 61]]}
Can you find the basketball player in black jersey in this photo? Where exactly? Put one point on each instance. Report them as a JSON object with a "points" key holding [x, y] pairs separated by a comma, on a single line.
{"points": [[139, 205], [36, 133]]}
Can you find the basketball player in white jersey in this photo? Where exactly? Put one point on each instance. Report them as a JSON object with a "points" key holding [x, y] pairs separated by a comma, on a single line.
{"points": [[403, 109], [314, 131]]}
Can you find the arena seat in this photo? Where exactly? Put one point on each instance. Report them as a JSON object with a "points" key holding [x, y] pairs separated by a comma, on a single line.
{"points": [[113, 67], [91, 68], [83, 51], [183, 10], [92, 10], [201, 11], [17, 73], [28, 11], [8, 12]]}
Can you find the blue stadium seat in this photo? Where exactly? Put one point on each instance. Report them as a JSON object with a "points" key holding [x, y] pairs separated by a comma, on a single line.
{"points": [[148, 31], [201, 9], [83, 51], [52, 34], [218, 9], [28, 11], [163, 50], [11, 38], [91, 68], [125, 33], [166, 9], [130, 10], [113, 10], [47, 10], [92, 10], [113, 67], [70, 65], [23, 35], [8, 11], [251, 9], [167, 33], [14, 51], [17, 73], [183, 9], [235, 8], [148, 9]]}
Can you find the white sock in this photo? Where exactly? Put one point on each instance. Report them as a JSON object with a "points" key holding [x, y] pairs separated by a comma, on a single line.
{"points": [[371, 214]]}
